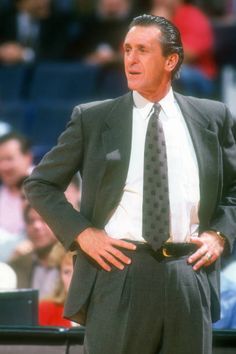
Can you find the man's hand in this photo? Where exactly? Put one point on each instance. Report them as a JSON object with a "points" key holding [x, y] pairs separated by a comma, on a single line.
{"points": [[11, 53], [104, 249], [210, 247]]}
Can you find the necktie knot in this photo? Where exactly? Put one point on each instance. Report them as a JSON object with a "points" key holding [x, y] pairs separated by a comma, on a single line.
{"points": [[156, 108]]}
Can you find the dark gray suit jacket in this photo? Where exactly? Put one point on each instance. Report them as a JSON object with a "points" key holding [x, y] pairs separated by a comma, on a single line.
{"points": [[97, 143]]}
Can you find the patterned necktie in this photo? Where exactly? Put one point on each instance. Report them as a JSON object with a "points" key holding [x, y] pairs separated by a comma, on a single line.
{"points": [[155, 184]]}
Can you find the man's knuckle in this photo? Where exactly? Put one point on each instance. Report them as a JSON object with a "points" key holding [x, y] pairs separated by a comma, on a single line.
{"points": [[106, 255], [117, 254]]}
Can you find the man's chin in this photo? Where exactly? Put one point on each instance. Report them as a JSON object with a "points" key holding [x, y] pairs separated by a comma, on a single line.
{"points": [[132, 86], [135, 84]]}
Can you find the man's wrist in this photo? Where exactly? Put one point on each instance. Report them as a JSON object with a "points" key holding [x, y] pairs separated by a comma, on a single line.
{"points": [[75, 244], [222, 238]]}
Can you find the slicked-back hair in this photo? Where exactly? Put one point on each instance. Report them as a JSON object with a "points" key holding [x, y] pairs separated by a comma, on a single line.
{"points": [[170, 39]]}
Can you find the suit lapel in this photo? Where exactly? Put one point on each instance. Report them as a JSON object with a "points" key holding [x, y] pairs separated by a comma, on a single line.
{"points": [[117, 146], [116, 138], [207, 152]]}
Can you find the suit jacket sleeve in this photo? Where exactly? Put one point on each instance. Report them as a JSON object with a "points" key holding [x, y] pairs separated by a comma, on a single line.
{"points": [[224, 219], [45, 187]]}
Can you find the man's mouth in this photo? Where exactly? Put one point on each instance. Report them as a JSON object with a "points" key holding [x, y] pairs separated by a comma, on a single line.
{"points": [[134, 73]]}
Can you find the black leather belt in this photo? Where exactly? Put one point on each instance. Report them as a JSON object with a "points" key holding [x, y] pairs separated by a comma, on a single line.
{"points": [[169, 249]]}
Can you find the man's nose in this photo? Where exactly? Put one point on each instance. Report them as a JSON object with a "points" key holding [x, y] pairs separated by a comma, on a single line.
{"points": [[132, 57]]}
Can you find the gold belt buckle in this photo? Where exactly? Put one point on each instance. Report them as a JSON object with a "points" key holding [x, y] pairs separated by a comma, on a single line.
{"points": [[165, 252]]}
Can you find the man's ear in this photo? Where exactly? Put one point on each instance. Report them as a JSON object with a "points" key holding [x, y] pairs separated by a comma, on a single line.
{"points": [[172, 61]]}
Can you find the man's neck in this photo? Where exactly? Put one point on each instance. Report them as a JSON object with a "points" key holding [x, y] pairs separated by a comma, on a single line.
{"points": [[43, 255], [157, 95]]}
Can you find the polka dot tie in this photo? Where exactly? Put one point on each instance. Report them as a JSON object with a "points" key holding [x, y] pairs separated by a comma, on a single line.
{"points": [[155, 184]]}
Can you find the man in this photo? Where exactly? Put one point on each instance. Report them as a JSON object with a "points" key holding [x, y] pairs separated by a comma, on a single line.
{"points": [[30, 32], [15, 164], [34, 270], [104, 32], [136, 292]]}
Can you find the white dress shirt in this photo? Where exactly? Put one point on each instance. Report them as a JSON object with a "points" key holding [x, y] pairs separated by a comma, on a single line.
{"points": [[183, 176]]}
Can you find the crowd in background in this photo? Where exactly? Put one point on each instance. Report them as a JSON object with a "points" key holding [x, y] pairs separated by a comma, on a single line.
{"points": [[92, 32]]}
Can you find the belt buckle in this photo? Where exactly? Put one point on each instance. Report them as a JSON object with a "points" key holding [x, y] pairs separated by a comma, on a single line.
{"points": [[165, 252]]}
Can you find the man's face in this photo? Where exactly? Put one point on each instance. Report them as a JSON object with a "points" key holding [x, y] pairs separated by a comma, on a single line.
{"points": [[14, 164], [146, 68], [66, 273], [38, 231]]}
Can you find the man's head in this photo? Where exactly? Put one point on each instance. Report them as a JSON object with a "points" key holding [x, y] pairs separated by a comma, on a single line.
{"points": [[15, 159], [38, 232], [66, 270], [153, 54], [113, 8], [36, 8]]}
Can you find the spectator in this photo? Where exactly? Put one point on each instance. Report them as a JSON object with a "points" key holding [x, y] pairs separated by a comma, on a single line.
{"points": [[24, 246], [15, 163], [220, 10], [213, 8], [51, 309], [31, 32], [104, 32], [35, 270], [14, 245], [32, 258], [199, 70], [72, 194]]}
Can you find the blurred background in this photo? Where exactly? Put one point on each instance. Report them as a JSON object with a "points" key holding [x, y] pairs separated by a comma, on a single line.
{"points": [[55, 54]]}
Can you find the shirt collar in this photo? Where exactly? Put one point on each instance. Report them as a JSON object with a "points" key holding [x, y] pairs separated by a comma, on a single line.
{"points": [[168, 104], [145, 106]]}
